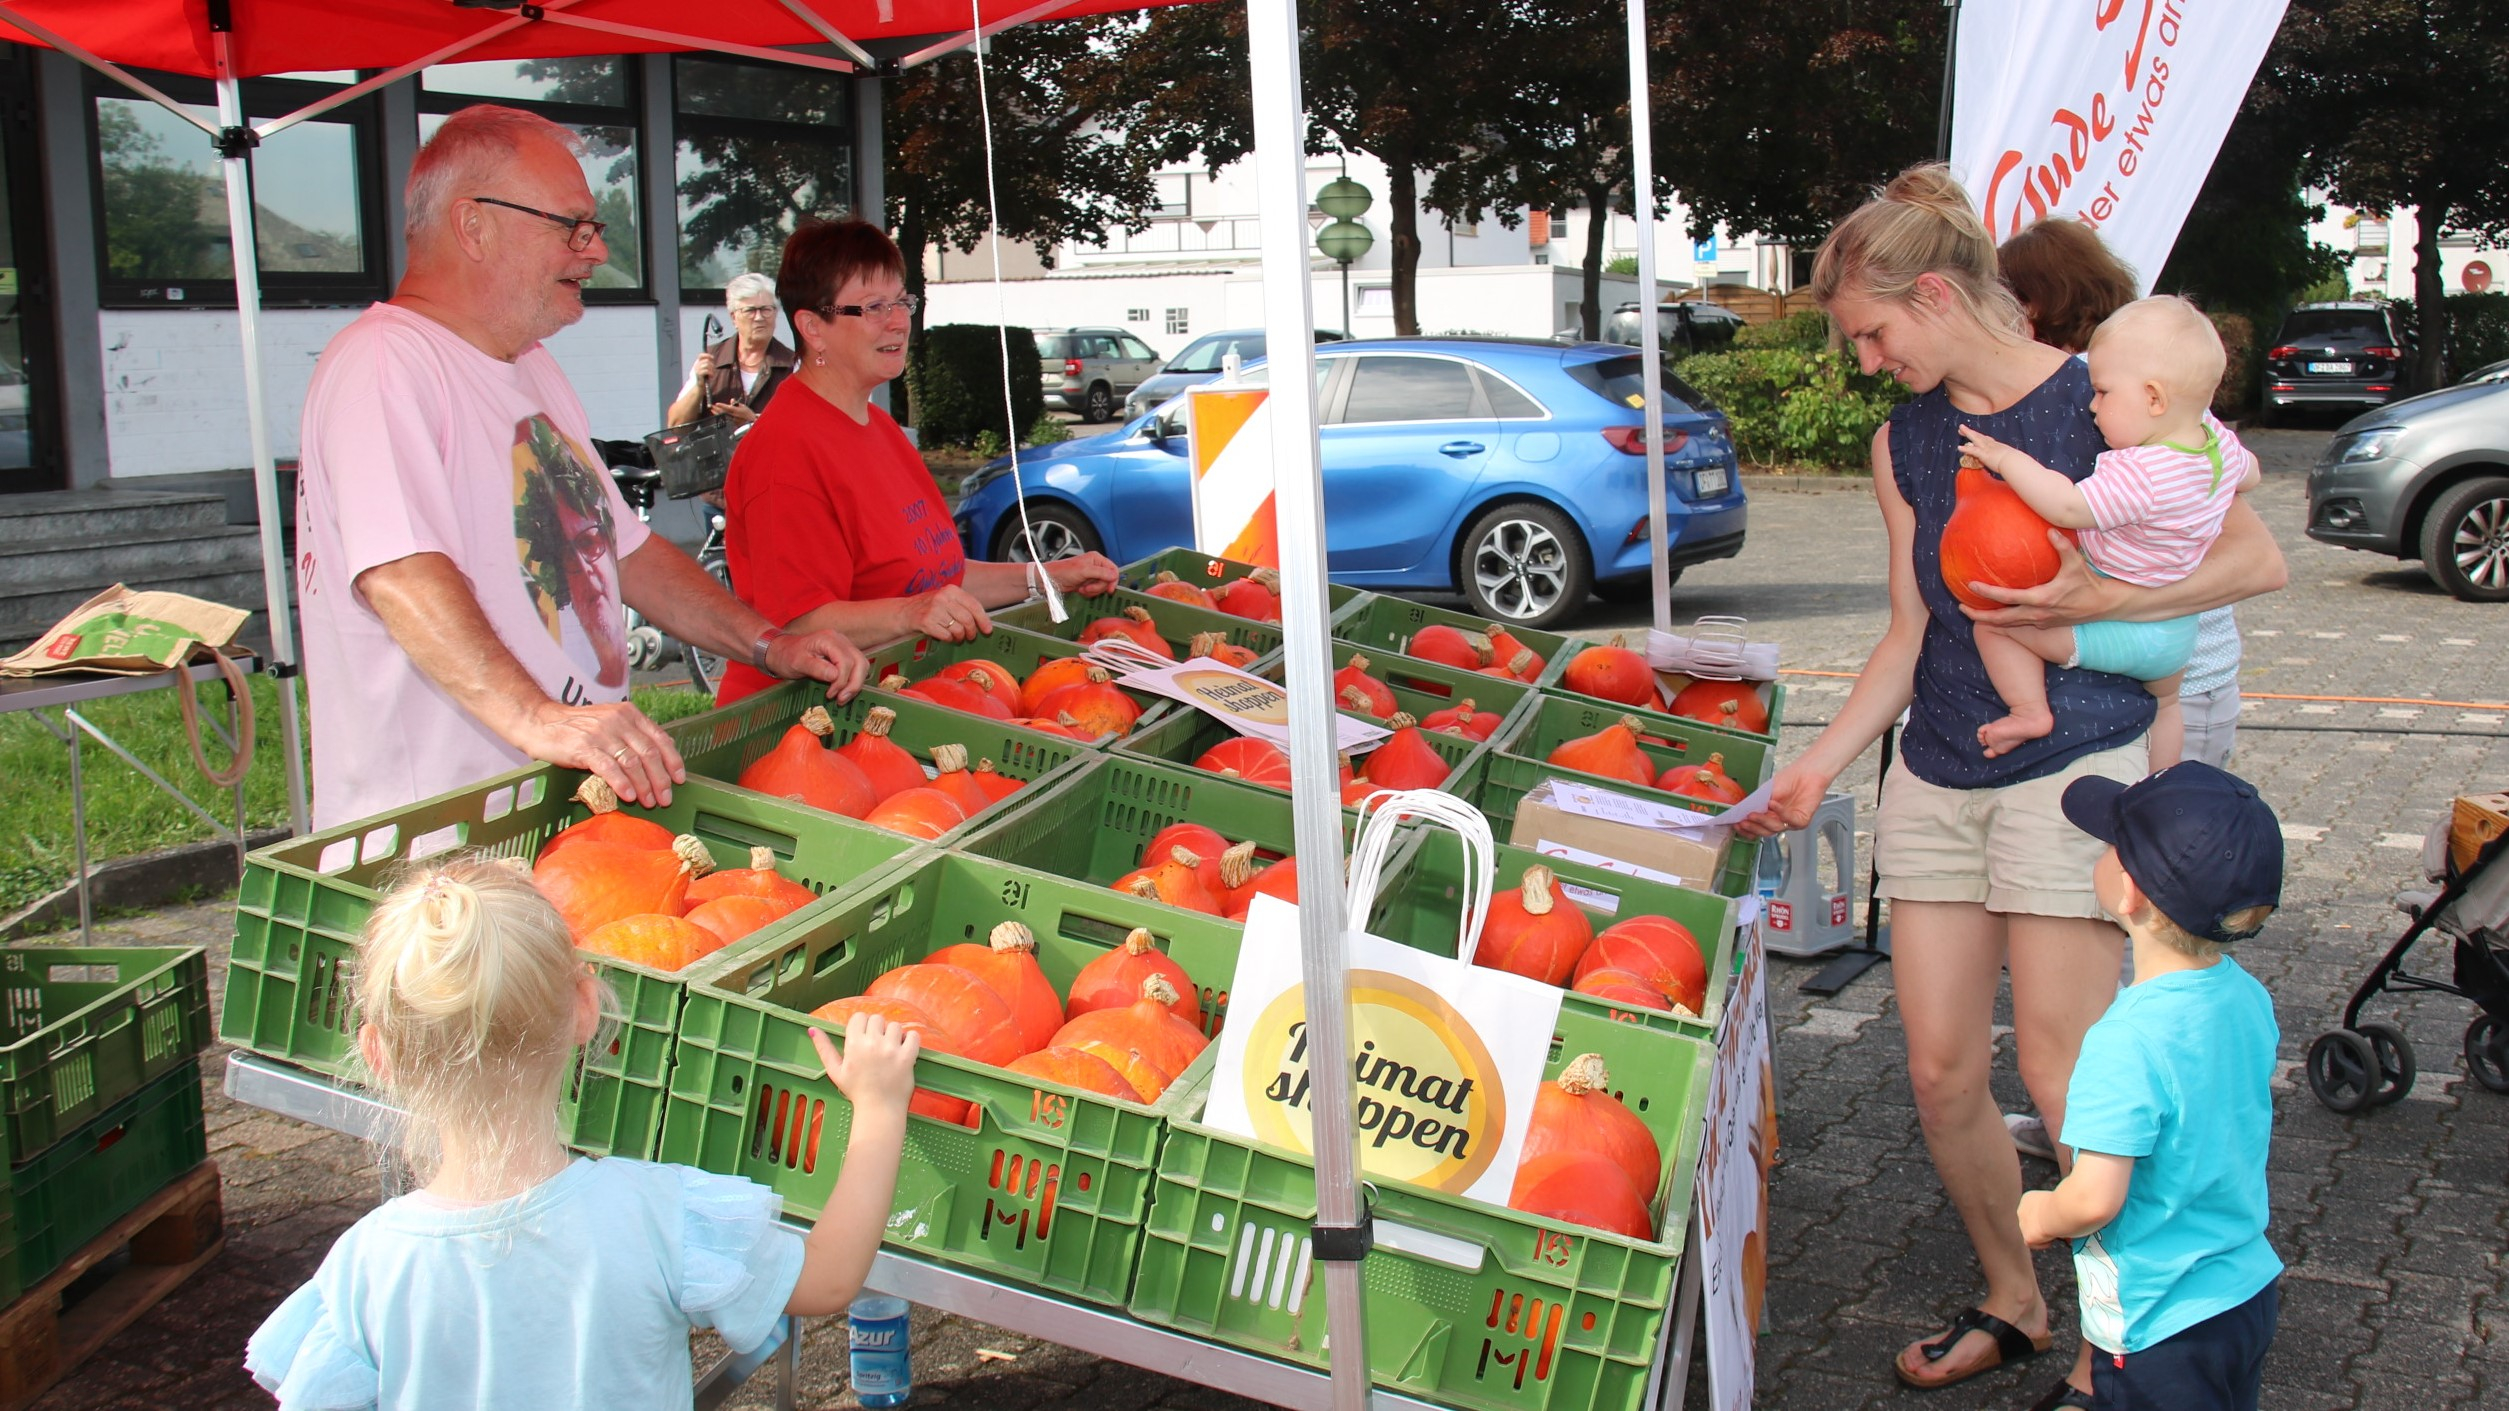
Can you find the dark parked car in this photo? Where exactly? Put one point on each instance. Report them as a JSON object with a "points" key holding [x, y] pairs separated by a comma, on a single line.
{"points": [[1684, 327], [2337, 355], [2426, 478], [1203, 360]]}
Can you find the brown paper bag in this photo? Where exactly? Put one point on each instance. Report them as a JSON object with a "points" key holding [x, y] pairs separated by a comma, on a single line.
{"points": [[123, 633]]}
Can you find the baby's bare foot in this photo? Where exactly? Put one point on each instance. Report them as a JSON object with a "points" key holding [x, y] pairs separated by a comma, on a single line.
{"points": [[2014, 730]]}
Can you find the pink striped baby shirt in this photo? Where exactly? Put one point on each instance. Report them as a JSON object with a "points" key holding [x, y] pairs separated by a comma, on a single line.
{"points": [[2155, 510]]}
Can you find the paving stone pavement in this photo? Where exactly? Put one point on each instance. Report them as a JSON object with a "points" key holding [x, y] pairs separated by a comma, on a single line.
{"points": [[2392, 1223]]}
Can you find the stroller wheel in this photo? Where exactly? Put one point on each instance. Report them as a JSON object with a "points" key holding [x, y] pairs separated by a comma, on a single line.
{"points": [[2487, 1053], [2343, 1071], [2395, 1060]]}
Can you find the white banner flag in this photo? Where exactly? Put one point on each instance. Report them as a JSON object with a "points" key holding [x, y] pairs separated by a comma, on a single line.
{"points": [[2110, 110]]}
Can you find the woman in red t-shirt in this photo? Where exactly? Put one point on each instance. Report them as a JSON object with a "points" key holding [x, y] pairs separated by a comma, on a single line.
{"points": [[831, 519]]}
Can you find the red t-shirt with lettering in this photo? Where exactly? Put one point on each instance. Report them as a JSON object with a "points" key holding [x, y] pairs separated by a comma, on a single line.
{"points": [[820, 508]]}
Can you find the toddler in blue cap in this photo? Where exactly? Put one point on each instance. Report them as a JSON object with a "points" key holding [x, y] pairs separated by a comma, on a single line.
{"points": [[2169, 1110]]}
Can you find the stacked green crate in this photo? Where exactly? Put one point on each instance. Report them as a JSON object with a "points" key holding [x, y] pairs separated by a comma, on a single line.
{"points": [[1382, 624], [1771, 694], [1051, 1185], [1020, 652], [1177, 624], [1210, 572], [73, 1190], [1093, 826], [302, 907]]}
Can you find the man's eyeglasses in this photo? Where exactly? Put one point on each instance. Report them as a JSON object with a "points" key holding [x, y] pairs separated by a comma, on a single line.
{"points": [[902, 304], [579, 233]]}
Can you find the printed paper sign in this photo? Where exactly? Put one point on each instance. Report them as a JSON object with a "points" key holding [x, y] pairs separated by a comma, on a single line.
{"points": [[1247, 704], [1578, 894], [1586, 801], [1447, 1057], [1733, 1181]]}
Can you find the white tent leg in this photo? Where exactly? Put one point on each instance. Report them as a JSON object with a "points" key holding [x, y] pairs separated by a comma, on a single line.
{"points": [[1316, 810], [1650, 351], [274, 564]]}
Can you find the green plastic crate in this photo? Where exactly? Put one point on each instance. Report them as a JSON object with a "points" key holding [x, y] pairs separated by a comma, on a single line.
{"points": [[94, 1175], [1208, 571], [302, 906], [1424, 890], [1181, 738], [1092, 825], [83, 1027], [1383, 624], [1421, 687], [1772, 694], [722, 743], [1052, 1187], [1177, 623], [1522, 1313]]}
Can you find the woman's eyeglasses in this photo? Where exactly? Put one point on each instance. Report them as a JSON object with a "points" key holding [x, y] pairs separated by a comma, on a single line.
{"points": [[902, 304], [755, 311], [579, 233]]}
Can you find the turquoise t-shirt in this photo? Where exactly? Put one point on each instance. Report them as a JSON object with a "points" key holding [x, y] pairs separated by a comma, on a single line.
{"points": [[578, 1292], [2177, 1074]]}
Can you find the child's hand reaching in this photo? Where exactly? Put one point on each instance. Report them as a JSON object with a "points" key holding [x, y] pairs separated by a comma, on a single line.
{"points": [[877, 1068], [1991, 453]]}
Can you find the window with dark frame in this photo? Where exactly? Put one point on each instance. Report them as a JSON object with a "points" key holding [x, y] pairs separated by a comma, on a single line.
{"points": [[595, 97], [761, 148], [160, 198]]}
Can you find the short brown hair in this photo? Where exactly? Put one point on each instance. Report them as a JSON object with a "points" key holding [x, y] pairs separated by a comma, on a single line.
{"points": [[2068, 278], [823, 256]]}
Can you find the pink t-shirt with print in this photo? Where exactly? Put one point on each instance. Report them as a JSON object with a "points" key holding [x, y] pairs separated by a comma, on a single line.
{"points": [[416, 442]]}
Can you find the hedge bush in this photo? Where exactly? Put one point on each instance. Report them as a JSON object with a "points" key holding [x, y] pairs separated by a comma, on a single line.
{"points": [[954, 377], [1795, 405], [2478, 328], [1806, 330], [2243, 364]]}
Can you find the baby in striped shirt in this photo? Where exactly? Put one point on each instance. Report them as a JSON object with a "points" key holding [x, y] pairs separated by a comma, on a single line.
{"points": [[2151, 507]]}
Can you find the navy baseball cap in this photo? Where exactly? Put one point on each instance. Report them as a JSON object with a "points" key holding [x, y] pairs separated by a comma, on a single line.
{"points": [[2196, 840]]}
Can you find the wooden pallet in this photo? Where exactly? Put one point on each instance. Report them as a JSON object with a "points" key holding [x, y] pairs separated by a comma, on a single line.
{"points": [[173, 1233]]}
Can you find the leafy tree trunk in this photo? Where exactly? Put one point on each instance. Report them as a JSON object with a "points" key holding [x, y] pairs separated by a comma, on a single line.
{"points": [[1404, 229], [911, 240], [2430, 298], [1598, 226]]}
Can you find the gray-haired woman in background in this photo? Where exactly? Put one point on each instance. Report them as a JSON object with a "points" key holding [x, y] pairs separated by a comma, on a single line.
{"points": [[736, 376]]}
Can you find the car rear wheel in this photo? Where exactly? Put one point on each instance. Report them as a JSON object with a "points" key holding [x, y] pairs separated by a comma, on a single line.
{"points": [[1525, 565], [1061, 533], [1099, 404], [2465, 541]]}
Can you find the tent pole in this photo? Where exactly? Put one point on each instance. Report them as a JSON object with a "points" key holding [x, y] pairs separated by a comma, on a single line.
{"points": [[1650, 351], [274, 564], [1341, 1224]]}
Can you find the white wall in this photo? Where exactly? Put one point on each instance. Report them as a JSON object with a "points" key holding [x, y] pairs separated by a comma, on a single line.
{"points": [[2390, 275]]}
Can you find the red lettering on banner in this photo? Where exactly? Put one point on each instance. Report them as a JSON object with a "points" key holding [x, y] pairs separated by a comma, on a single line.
{"points": [[2134, 56], [2107, 13]]}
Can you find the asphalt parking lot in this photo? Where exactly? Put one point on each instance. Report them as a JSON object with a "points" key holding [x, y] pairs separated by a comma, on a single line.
{"points": [[2373, 699]]}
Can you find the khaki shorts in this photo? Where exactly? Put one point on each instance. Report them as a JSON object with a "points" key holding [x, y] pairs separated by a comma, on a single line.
{"points": [[2010, 848]]}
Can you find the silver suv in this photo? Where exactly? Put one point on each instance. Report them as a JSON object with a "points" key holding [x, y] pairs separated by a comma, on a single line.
{"points": [[1091, 370], [2426, 478]]}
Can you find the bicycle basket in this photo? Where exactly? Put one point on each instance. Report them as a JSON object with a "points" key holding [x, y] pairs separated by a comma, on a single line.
{"points": [[693, 459]]}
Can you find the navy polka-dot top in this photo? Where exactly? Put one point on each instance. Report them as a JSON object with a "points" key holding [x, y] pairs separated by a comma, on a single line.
{"points": [[2094, 710]]}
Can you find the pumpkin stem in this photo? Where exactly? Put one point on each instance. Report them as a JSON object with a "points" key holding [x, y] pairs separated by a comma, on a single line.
{"points": [[1522, 662], [949, 758], [1536, 887], [1099, 676], [1205, 643], [1355, 698], [1237, 865], [1165, 577], [895, 681], [1157, 990], [1585, 1074], [1632, 724], [1715, 762], [1067, 720], [692, 854], [981, 678], [1231, 774], [1464, 708], [1011, 936], [762, 859], [818, 722], [1144, 888], [1356, 663], [1180, 853], [1267, 578], [1402, 720], [878, 721], [1139, 614], [1683, 1011], [1138, 941], [596, 794], [985, 766]]}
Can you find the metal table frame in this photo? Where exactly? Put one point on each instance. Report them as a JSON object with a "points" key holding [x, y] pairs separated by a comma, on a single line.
{"points": [[291, 1092], [54, 701]]}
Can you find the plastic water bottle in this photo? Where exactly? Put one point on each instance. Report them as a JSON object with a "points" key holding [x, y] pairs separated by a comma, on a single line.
{"points": [[877, 1324]]}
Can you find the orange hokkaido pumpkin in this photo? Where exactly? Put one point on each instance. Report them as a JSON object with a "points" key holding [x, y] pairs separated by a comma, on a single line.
{"points": [[1007, 962], [1732, 704], [1075, 1068], [1176, 881], [958, 695], [933, 1038], [1993, 537], [802, 767], [1146, 1078], [1581, 1188], [594, 884], [1612, 672], [1405, 760], [1245, 757], [1255, 596], [1132, 624], [1523, 666], [1660, 951], [1176, 590], [1354, 689], [993, 783], [1706, 782], [606, 824], [924, 813], [1113, 980], [882, 760], [1450, 646], [1246, 879], [1149, 1024], [1048, 679], [978, 1018], [1463, 718], [1218, 648], [1202, 841], [1611, 752], [758, 879], [952, 777], [731, 918], [1532, 932], [1523, 662], [661, 942], [1094, 706], [994, 681], [1578, 1113], [1619, 987]]}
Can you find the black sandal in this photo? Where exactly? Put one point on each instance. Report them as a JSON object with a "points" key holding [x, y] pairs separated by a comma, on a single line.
{"points": [[2011, 1345], [2064, 1396]]}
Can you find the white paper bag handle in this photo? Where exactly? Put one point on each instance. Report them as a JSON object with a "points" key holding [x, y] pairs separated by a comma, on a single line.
{"points": [[1124, 656], [1381, 816]]}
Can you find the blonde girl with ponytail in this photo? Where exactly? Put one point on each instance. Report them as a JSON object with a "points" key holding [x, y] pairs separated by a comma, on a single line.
{"points": [[518, 1273], [1983, 872]]}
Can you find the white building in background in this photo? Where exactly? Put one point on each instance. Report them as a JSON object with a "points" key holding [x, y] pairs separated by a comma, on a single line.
{"points": [[2379, 251], [1198, 268]]}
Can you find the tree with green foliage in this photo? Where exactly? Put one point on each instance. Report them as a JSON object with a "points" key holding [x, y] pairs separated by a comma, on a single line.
{"points": [[2406, 101], [156, 225]]}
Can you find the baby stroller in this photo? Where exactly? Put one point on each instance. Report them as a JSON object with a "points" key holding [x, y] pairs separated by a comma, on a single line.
{"points": [[2368, 1064]]}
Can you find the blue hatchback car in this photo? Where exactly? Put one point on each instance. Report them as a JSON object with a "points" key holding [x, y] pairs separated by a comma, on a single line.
{"points": [[1510, 471]]}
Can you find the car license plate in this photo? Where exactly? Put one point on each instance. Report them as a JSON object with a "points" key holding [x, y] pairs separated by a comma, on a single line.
{"points": [[1712, 481], [2338, 369]]}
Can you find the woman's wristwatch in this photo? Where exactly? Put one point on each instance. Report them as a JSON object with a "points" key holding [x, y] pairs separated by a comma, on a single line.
{"points": [[758, 649]]}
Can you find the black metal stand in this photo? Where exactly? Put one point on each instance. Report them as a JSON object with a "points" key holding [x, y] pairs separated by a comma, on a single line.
{"points": [[1855, 960]]}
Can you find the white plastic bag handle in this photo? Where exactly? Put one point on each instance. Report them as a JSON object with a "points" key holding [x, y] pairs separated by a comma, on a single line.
{"points": [[1124, 656], [1381, 816]]}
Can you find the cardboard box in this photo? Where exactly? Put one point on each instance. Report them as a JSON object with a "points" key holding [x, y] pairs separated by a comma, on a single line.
{"points": [[1641, 837], [2474, 822]]}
